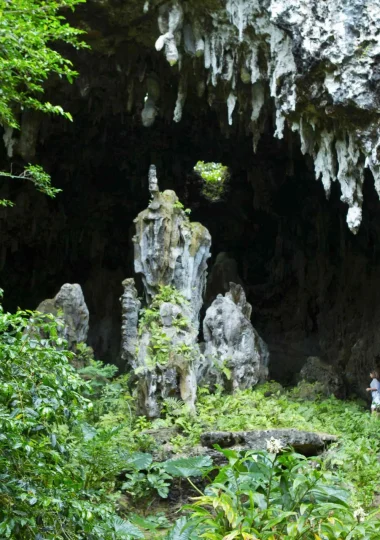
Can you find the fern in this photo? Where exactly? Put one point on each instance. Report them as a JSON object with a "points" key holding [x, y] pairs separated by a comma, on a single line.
{"points": [[125, 529]]}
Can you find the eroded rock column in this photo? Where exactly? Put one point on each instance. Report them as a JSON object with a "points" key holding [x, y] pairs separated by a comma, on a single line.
{"points": [[170, 249], [234, 351], [70, 307], [171, 255]]}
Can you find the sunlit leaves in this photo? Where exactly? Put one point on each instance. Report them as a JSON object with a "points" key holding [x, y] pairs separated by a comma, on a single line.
{"points": [[28, 31], [214, 176]]}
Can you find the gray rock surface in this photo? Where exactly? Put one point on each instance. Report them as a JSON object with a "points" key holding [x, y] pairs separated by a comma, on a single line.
{"points": [[317, 371], [130, 305], [317, 61], [70, 306], [175, 374], [231, 342], [304, 442], [171, 250]]}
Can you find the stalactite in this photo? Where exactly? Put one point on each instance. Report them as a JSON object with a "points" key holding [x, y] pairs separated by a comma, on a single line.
{"points": [[231, 53], [9, 141], [231, 103], [181, 98]]}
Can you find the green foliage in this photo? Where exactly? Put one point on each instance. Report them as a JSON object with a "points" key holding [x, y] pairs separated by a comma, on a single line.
{"points": [[161, 350], [179, 206], [266, 496], [359, 436], [141, 484], [29, 30], [55, 469], [152, 523], [144, 477], [73, 450], [98, 375], [186, 467], [38, 177], [214, 176], [180, 531]]}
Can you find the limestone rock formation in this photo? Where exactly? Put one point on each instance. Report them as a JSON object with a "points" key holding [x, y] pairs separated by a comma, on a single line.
{"points": [[304, 442], [318, 61], [69, 305], [166, 356], [233, 348], [171, 255], [171, 250], [130, 315]]}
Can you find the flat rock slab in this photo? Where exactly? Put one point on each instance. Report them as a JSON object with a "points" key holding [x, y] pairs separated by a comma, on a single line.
{"points": [[303, 442]]}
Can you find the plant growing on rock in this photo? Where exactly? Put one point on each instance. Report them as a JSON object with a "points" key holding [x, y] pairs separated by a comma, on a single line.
{"points": [[160, 348]]}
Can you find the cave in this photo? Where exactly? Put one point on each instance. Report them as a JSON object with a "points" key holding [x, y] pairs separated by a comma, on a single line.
{"points": [[312, 282]]}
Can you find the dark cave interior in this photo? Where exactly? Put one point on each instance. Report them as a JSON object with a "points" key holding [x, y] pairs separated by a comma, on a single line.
{"points": [[314, 286]]}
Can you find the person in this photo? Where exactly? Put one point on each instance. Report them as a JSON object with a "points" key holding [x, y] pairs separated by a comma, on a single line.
{"points": [[375, 390]]}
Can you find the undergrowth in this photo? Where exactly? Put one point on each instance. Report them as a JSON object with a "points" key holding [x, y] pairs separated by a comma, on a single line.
{"points": [[356, 453], [77, 462]]}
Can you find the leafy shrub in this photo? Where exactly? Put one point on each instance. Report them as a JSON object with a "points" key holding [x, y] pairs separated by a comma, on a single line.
{"points": [[274, 496], [144, 476], [47, 490]]}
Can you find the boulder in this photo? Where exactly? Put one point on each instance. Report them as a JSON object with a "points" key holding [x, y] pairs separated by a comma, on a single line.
{"points": [[304, 442], [235, 355], [70, 307]]}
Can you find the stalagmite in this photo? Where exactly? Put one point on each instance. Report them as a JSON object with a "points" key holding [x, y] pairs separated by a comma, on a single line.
{"points": [[233, 348], [171, 255], [161, 345], [171, 250], [130, 315], [70, 307]]}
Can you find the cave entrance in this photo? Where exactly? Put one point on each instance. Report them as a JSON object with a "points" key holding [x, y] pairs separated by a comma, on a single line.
{"points": [[309, 280]]}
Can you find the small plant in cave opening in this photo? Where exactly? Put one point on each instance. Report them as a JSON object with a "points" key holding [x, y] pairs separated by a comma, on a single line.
{"points": [[214, 176]]}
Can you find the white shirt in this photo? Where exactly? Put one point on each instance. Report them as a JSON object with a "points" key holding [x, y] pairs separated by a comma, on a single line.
{"points": [[375, 395]]}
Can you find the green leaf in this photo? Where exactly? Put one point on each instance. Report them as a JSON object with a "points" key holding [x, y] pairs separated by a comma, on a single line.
{"points": [[184, 467], [120, 526], [180, 531], [140, 460]]}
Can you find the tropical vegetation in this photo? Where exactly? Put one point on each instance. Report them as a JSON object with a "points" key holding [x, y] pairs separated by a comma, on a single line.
{"points": [[77, 462]]}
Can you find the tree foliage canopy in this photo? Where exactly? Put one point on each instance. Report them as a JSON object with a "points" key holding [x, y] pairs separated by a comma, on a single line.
{"points": [[28, 31]]}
